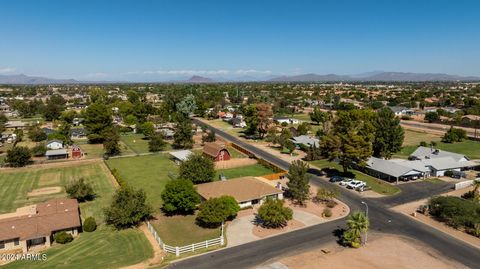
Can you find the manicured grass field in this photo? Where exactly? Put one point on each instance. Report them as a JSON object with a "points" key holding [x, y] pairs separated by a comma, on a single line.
{"points": [[103, 248], [136, 142], [14, 187], [149, 172], [377, 185], [95, 151], [250, 170], [182, 230], [469, 148]]}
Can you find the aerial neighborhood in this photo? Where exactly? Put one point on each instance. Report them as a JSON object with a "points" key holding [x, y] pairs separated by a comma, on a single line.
{"points": [[183, 174]]}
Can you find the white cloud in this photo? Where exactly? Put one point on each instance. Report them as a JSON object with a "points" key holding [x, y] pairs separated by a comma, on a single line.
{"points": [[97, 75], [252, 71], [187, 72], [4, 70]]}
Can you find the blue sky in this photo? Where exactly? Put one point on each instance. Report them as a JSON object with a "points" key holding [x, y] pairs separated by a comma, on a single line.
{"points": [[157, 40]]}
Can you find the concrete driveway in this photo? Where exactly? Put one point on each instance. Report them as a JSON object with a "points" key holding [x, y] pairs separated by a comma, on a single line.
{"points": [[239, 231]]}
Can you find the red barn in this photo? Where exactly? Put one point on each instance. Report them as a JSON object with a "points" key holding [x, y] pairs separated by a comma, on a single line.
{"points": [[76, 152], [216, 151]]}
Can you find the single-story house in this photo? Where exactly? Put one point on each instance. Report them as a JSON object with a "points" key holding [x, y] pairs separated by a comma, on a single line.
{"points": [[422, 153], [180, 155], [238, 123], [36, 224], [392, 170], [423, 162], [287, 120], [54, 144], [306, 140], [55, 154], [13, 125], [401, 110], [79, 133], [216, 151], [167, 132], [48, 131], [247, 191]]}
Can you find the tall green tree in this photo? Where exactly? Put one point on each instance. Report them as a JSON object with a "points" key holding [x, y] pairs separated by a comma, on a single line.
{"points": [[389, 134], [298, 182], [187, 106], [111, 140], [18, 156], [197, 168], [54, 107], [215, 211], [183, 136], [179, 197], [156, 143], [128, 208], [98, 121]]}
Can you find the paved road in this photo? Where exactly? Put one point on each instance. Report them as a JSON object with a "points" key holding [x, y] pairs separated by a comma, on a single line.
{"points": [[381, 217]]}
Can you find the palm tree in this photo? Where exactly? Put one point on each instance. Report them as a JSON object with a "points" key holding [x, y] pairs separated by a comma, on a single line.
{"points": [[357, 223]]}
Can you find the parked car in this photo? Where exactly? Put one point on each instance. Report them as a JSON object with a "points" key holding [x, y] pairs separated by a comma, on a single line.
{"points": [[336, 179], [355, 184], [363, 188], [345, 181]]}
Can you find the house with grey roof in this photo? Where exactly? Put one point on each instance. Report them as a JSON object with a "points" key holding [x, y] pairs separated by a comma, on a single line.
{"points": [[401, 110], [425, 153], [305, 140], [180, 155], [424, 162]]}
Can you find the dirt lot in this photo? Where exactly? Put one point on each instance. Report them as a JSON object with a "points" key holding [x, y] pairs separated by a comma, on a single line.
{"points": [[382, 251]]}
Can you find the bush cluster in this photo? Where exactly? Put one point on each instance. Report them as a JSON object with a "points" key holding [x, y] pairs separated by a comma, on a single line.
{"points": [[456, 212], [63, 238]]}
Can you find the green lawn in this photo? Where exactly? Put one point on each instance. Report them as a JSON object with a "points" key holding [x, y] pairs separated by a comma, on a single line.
{"points": [[235, 153], [149, 172], [469, 148], [93, 151], [250, 170], [103, 248], [136, 142], [14, 187], [170, 228], [377, 185]]}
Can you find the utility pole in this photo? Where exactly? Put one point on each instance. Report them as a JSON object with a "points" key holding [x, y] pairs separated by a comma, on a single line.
{"points": [[366, 214]]}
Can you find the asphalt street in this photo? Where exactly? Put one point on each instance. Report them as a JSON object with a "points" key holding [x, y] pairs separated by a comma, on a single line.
{"points": [[382, 219]]}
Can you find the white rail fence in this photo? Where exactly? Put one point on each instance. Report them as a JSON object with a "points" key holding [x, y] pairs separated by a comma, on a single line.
{"points": [[188, 248]]}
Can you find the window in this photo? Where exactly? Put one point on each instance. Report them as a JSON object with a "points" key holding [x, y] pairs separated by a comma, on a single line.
{"points": [[2, 244], [16, 242]]}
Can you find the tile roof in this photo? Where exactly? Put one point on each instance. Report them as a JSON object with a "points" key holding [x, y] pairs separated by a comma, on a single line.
{"points": [[242, 189], [50, 216]]}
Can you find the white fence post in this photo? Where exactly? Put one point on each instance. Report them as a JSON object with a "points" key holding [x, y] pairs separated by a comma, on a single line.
{"points": [[193, 247], [177, 251]]}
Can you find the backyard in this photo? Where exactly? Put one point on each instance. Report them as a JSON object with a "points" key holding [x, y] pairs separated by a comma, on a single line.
{"points": [[250, 170], [112, 249], [377, 185], [149, 172], [171, 227]]}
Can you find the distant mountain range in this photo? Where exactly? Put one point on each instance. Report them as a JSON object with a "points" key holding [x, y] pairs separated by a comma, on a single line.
{"points": [[370, 76], [24, 79], [376, 76]]}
